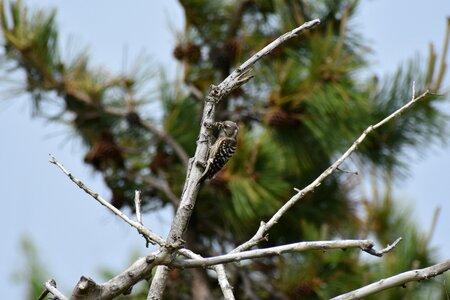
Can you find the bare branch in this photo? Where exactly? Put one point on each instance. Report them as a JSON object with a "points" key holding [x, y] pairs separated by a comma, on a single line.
{"points": [[381, 252], [240, 75], [50, 287], [141, 269], [148, 234], [227, 289], [264, 227], [158, 283], [364, 245], [191, 187], [137, 203], [397, 280], [43, 294]]}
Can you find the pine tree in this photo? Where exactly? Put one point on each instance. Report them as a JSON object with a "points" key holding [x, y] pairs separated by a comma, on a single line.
{"points": [[306, 104]]}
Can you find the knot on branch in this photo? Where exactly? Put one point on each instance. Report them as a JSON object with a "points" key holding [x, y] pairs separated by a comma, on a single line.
{"points": [[214, 91], [150, 258], [211, 99], [177, 243], [86, 286]]}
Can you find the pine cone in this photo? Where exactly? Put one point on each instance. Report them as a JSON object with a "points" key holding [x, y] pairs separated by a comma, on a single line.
{"points": [[178, 52], [133, 119], [278, 118], [104, 153], [192, 53], [160, 161]]}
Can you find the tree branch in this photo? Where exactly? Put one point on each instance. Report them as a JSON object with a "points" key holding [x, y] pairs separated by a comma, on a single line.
{"points": [[147, 233], [381, 252], [137, 203], [397, 280], [225, 286], [142, 267], [88, 289], [240, 75], [364, 245], [50, 287], [264, 227], [191, 187], [227, 289]]}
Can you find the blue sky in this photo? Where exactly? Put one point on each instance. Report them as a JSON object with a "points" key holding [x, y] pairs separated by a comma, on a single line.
{"points": [[74, 235]]}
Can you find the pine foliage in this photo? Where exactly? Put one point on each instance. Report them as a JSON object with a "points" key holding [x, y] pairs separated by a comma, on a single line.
{"points": [[307, 103]]}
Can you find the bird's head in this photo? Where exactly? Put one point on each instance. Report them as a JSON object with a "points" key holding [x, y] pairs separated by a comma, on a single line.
{"points": [[230, 129]]}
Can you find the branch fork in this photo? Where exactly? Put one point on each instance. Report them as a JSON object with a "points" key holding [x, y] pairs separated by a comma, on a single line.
{"points": [[165, 256]]}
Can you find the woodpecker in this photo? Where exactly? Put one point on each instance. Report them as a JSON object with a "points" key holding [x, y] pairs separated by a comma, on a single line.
{"points": [[222, 149]]}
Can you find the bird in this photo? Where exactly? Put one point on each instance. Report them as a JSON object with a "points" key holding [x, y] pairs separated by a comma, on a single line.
{"points": [[221, 150]]}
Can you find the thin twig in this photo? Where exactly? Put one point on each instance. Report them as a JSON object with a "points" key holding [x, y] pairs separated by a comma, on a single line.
{"points": [[381, 252], [43, 294], [396, 280], [51, 287], [147, 233], [46, 291], [137, 202], [364, 245], [347, 171], [264, 227], [240, 75], [225, 286], [429, 236], [141, 267]]}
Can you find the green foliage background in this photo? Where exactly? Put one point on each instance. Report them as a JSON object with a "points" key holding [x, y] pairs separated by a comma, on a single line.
{"points": [[307, 103]]}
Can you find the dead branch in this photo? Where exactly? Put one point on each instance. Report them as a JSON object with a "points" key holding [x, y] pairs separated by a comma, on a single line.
{"points": [[396, 280], [264, 227], [50, 287], [148, 234], [364, 245]]}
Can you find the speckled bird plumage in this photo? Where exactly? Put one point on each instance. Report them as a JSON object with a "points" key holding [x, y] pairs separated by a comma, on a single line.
{"points": [[222, 150]]}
